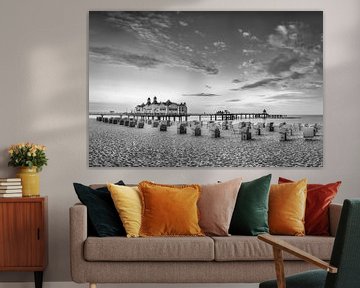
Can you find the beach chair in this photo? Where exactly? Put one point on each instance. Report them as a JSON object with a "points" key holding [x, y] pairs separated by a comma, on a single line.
{"points": [[181, 128], [195, 127], [309, 133], [140, 124], [270, 127], [245, 133], [163, 126], [214, 130], [155, 124], [132, 123]]}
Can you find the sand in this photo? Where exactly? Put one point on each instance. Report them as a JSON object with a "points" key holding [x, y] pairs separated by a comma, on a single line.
{"points": [[112, 145]]}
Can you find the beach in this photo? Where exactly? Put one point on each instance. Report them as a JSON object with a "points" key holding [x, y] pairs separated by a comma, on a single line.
{"points": [[114, 145]]}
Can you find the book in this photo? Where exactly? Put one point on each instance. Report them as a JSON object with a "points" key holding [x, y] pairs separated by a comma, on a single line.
{"points": [[10, 191], [2, 195], [10, 180], [10, 187], [10, 183]]}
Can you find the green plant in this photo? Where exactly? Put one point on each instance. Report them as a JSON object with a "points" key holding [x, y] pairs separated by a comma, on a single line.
{"points": [[27, 155]]}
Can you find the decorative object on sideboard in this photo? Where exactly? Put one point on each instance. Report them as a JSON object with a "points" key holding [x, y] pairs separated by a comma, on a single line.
{"points": [[30, 158], [10, 187]]}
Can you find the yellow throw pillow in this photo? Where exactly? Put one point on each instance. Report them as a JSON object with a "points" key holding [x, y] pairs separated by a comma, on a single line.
{"points": [[127, 201], [287, 204], [169, 210]]}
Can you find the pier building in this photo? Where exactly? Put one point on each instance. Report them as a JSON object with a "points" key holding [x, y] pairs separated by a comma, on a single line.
{"points": [[161, 108]]}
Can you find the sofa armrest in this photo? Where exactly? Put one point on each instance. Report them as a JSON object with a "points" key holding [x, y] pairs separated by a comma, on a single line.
{"points": [[334, 217], [78, 235]]}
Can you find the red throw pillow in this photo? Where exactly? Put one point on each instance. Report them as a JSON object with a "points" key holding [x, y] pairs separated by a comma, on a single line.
{"points": [[319, 197]]}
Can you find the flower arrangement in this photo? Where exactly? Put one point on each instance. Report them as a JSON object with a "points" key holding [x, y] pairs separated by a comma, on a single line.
{"points": [[27, 155]]}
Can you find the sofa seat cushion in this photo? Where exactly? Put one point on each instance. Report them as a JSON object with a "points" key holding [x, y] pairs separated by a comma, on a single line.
{"points": [[149, 249], [244, 248]]}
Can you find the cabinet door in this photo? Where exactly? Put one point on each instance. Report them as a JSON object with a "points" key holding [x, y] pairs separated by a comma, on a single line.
{"points": [[21, 234]]}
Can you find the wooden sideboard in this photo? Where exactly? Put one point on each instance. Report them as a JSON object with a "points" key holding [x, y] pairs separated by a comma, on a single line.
{"points": [[23, 235]]}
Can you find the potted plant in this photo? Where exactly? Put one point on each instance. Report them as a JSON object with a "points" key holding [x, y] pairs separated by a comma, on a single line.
{"points": [[30, 158]]}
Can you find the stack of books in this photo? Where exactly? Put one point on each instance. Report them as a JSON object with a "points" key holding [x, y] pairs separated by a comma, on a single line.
{"points": [[10, 187]]}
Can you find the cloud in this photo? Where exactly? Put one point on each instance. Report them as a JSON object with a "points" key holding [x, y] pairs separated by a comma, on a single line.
{"points": [[290, 96], [261, 83], [250, 51], [201, 34], [296, 75], [234, 100], [282, 63], [209, 69], [297, 37], [202, 94], [248, 63], [118, 57], [183, 23], [312, 85], [220, 45], [282, 29], [153, 33], [235, 81]]}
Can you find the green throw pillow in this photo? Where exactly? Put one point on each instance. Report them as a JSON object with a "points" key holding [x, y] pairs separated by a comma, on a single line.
{"points": [[250, 216]]}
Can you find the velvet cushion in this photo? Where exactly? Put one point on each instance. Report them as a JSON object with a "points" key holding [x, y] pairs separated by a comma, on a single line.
{"points": [[127, 201], [310, 279], [169, 210], [319, 197], [287, 204], [216, 206], [250, 215], [102, 214]]}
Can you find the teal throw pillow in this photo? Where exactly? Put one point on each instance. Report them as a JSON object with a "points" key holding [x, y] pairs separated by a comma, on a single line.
{"points": [[250, 216]]}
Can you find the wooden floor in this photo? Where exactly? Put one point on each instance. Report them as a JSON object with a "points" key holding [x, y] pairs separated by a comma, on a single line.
{"points": [[74, 285]]}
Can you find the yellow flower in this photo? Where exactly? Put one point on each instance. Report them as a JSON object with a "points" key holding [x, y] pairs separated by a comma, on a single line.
{"points": [[28, 154], [11, 151]]}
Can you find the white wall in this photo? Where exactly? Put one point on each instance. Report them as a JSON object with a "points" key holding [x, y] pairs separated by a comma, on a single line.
{"points": [[43, 88]]}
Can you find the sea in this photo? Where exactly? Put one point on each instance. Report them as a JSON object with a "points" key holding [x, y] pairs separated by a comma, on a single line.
{"points": [[95, 107]]}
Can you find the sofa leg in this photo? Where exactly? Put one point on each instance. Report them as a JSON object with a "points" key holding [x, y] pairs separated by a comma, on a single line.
{"points": [[92, 285]]}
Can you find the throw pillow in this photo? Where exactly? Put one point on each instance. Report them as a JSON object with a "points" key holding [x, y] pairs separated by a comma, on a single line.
{"points": [[127, 201], [250, 215], [319, 197], [216, 206], [102, 214], [287, 204], [169, 210]]}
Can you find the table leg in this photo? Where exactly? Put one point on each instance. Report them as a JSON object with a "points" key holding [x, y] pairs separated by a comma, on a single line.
{"points": [[38, 279]]}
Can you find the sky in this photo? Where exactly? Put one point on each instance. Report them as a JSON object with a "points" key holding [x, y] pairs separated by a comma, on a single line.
{"points": [[238, 61]]}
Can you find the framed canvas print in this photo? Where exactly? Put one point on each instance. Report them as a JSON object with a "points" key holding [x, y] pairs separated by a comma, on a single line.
{"points": [[205, 89]]}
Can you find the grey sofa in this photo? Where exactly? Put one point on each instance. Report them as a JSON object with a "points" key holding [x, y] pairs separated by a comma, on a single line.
{"points": [[234, 259]]}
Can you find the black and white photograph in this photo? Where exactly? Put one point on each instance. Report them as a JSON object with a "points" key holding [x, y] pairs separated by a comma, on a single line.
{"points": [[205, 89]]}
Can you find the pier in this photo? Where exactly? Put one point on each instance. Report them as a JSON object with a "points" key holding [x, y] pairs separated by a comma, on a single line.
{"points": [[184, 117]]}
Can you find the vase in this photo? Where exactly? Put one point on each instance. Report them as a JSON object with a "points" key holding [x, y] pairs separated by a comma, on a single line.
{"points": [[30, 181]]}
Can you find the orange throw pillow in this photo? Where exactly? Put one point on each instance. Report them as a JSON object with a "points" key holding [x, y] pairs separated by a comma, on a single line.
{"points": [[287, 204], [319, 197], [169, 210]]}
